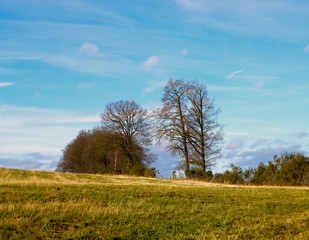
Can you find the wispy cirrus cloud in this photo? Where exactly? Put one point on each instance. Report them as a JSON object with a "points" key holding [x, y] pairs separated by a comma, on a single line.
{"points": [[270, 18], [154, 85], [94, 66], [88, 48], [6, 84], [19, 58], [11, 115], [97, 11], [17, 148], [233, 74]]}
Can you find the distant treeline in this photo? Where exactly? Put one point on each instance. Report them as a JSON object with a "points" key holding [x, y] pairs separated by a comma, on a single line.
{"points": [[287, 169]]}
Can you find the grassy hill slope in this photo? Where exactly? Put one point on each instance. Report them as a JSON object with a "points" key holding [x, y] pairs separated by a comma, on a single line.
{"points": [[49, 205]]}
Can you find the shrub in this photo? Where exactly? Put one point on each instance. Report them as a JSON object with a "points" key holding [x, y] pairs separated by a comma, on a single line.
{"points": [[150, 172], [218, 177], [234, 176], [258, 175], [208, 176]]}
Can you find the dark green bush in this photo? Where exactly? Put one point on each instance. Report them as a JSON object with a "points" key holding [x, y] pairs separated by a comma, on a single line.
{"points": [[235, 176]]}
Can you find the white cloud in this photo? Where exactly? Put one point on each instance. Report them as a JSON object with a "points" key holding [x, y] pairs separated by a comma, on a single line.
{"points": [[259, 85], [302, 134], [88, 48], [6, 84], [151, 62], [235, 144], [184, 52], [306, 49], [233, 74]]}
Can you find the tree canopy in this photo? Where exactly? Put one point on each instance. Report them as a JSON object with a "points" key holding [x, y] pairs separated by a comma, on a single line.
{"points": [[120, 145]]}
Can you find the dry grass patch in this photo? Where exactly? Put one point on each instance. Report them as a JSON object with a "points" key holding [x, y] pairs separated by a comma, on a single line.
{"points": [[48, 205]]}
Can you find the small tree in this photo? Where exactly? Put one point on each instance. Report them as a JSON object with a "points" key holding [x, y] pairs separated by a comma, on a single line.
{"points": [[248, 173], [235, 176], [259, 175], [294, 168]]}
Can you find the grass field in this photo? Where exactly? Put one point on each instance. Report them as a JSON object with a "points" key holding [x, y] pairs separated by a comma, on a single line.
{"points": [[49, 205]]}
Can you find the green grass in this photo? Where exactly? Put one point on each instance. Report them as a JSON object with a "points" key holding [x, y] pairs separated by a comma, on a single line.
{"points": [[48, 205]]}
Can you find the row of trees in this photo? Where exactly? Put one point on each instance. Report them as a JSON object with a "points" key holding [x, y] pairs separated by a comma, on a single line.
{"points": [[287, 169], [188, 120]]}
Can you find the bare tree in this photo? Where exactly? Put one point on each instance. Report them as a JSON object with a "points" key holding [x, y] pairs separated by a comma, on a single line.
{"points": [[132, 124], [204, 131], [188, 119], [172, 119]]}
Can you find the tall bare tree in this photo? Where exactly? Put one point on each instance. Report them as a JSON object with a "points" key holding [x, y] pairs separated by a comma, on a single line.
{"points": [[204, 131], [132, 124], [172, 120], [188, 119]]}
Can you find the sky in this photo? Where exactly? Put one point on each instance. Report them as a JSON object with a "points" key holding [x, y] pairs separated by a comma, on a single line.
{"points": [[62, 61]]}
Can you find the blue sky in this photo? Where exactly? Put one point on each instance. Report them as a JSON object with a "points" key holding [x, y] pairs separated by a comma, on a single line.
{"points": [[62, 61]]}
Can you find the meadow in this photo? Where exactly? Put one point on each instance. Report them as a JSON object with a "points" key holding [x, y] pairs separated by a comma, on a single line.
{"points": [[52, 205]]}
